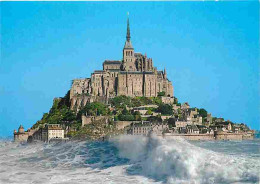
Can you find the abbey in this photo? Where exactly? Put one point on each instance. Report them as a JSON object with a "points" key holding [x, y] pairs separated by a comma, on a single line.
{"points": [[135, 75]]}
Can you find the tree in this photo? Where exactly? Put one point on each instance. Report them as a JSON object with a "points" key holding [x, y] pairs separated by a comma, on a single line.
{"points": [[95, 109], [121, 101], [162, 93], [157, 100], [165, 109], [203, 113], [171, 122], [125, 111], [154, 119], [175, 100], [149, 112], [122, 117]]}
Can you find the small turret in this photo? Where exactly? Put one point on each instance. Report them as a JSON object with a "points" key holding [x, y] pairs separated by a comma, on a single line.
{"points": [[21, 129]]}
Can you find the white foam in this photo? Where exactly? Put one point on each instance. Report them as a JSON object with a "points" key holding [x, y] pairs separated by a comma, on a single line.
{"points": [[178, 161], [151, 160]]}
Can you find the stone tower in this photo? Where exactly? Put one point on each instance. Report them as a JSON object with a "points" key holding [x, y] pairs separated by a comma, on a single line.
{"points": [[128, 52]]}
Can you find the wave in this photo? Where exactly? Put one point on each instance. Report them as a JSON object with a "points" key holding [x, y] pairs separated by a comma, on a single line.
{"points": [[178, 161], [124, 159]]}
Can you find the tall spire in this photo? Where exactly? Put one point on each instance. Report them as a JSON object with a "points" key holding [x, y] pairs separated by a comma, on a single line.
{"points": [[164, 73], [128, 29]]}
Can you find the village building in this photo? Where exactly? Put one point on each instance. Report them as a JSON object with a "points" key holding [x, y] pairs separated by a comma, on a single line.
{"points": [[167, 100], [192, 129], [181, 124], [52, 132], [143, 128], [159, 128], [185, 105]]}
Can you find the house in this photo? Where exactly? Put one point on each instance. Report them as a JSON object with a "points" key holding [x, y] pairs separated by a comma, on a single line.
{"points": [[159, 128], [52, 132], [143, 128], [192, 129]]}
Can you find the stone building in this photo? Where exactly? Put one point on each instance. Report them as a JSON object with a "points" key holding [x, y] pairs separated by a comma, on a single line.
{"points": [[52, 132], [143, 128], [132, 76], [21, 135]]}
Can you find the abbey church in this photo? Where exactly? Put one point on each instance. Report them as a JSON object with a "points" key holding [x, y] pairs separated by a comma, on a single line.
{"points": [[135, 75]]}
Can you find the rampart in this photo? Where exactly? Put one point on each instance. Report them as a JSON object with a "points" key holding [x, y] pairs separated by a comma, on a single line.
{"points": [[194, 137]]}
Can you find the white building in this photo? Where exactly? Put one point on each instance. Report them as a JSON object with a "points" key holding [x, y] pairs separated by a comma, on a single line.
{"points": [[52, 132]]}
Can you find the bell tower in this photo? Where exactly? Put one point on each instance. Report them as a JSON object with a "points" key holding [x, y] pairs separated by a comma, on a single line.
{"points": [[128, 52]]}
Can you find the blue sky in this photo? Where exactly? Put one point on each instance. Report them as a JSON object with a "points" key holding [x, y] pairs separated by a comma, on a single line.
{"points": [[210, 50]]}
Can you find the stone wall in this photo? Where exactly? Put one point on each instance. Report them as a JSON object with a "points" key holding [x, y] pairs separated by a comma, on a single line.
{"points": [[167, 100], [86, 120], [194, 137], [122, 124], [228, 136], [21, 137]]}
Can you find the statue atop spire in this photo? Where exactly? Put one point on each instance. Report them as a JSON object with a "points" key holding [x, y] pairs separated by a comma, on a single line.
{"points": [[128, 29]]}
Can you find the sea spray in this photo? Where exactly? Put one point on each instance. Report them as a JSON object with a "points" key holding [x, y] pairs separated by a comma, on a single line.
{"points": [[178, 161], [130, 159]]}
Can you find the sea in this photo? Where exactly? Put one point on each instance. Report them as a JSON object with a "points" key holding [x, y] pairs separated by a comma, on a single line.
{"points": [[130, 159]]}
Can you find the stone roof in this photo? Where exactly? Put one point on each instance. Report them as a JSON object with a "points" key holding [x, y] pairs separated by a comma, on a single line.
{"points": [[131, 72], [112, 62], [136, 72], [138, 54], [114, 70], [193, 127], [128, 45], [143, 124], [53, 127], [160, 72], [99, 71], [21, 129]]}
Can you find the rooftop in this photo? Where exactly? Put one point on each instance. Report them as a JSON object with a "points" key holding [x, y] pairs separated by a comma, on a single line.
{"points": [[110, 62]]}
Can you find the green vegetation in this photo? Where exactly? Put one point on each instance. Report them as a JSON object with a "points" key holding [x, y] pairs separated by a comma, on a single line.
{"points": [[161, 93], [121, 109], [95, 130], [155, 119], [171, 122], [125, 115], [203, 113], [175, 100], [149, 112], [165, 109], [95, 109], [120, 102]]}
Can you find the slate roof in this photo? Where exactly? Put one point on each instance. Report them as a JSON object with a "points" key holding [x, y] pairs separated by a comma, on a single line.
{"points": [[128, 45], [112, 62]]}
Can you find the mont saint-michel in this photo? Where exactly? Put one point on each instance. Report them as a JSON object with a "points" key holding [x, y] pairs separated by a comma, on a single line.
{"points": [[167, 94], [128, 96]]}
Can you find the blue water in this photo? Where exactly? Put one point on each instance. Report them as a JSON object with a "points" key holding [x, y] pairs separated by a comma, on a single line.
{"points": [[131, 159]]}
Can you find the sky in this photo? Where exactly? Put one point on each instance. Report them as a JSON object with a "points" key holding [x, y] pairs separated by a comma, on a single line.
{"points": [[210, 51]]}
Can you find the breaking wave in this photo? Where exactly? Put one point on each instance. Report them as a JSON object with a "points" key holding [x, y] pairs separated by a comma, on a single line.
{"points": [[130, 159]]}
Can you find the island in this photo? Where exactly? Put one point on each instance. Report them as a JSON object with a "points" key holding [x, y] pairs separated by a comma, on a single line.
{"points": [[129, 96]]}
